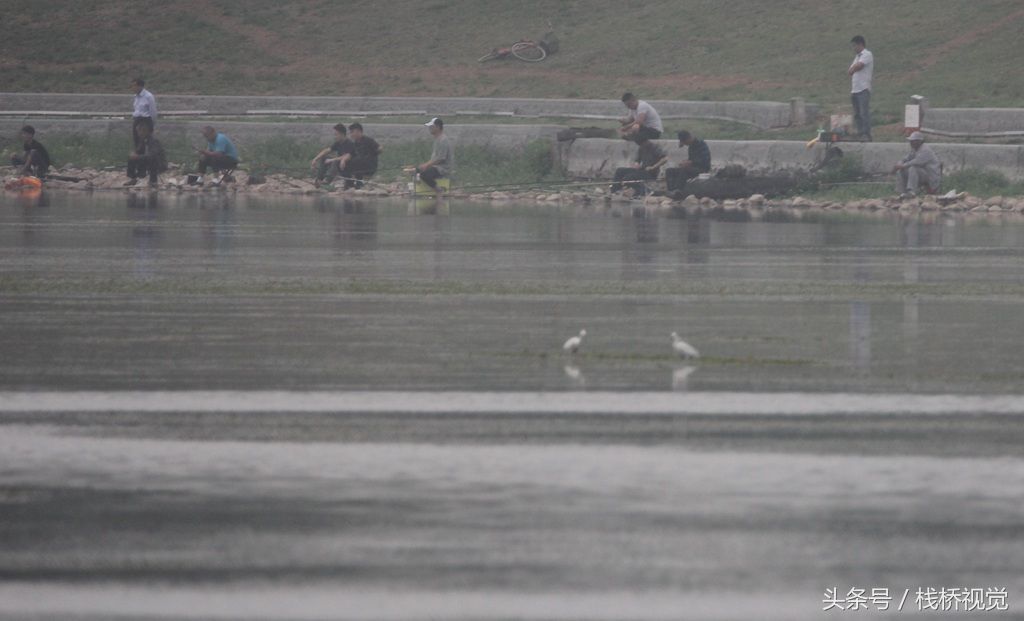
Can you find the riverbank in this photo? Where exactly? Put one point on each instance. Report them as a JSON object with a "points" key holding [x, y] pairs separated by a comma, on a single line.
{"points": [[582, 193]]}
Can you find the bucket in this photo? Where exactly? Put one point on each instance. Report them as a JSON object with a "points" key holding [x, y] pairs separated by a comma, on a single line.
{"points": [[423, 189]]}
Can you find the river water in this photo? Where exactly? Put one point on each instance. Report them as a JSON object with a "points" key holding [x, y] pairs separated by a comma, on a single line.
{"points": [[256, 408]]}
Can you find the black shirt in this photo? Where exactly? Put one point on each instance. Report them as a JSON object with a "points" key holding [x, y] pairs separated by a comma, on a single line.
{"points": [[43, 156], [154, 153], [367, 149], [342, 147], [700, 155], [649, 155]]}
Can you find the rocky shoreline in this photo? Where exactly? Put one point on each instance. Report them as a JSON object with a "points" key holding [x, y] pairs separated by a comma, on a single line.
{"points": [[85, 179]]}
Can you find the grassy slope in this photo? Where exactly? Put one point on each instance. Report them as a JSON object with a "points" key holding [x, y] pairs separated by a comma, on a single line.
{"points": [[957, 52]]}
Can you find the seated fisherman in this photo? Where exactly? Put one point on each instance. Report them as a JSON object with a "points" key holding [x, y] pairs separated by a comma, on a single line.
{"points": [[642, 122], [327, 168], [220, 154], [649, 160], [364, 161], [35, 160], [147, 158], [919, 168], [698, 161], [442, 158]]}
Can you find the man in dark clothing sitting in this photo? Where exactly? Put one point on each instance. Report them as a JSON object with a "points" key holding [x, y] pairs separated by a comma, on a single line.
{"points": [[148, 157], [698, 161], [649, 160], [327, 168], [35, 160], [364, 161]]}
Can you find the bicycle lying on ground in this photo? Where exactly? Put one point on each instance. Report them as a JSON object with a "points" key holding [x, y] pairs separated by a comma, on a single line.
{"points": [[526, 50]]}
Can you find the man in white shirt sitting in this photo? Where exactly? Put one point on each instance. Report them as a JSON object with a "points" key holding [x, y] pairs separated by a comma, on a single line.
{"points": [[642, 122], [861, 71]]}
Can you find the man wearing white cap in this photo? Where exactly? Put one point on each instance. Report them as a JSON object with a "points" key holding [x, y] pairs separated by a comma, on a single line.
{"points": [[921, 168], [442, 159]]}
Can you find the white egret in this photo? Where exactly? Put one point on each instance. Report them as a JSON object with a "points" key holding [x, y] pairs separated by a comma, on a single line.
{"points": [[682, 348], [573, 344]]}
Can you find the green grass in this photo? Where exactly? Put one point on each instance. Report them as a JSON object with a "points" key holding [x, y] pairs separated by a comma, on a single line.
{"points": [[475, 165], [982, 183], [976, 182], [94, 151], [956, 52]]}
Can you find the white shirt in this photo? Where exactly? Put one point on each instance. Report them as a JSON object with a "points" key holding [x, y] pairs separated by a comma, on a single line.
{"points": [[862, 79], [652, 119], [145, 104]]}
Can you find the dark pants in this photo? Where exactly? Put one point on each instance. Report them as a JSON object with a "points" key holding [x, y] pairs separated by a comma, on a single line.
{"points": [[328, 171], [136, 121], [623, 175], [430, 175], [645, 133], [142, 166], [357, 169], [862, 112], [676, 178], [217, 161], [37, 168]]}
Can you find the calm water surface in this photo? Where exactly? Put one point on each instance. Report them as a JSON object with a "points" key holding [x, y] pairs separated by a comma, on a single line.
{"points": [[228, 408]]}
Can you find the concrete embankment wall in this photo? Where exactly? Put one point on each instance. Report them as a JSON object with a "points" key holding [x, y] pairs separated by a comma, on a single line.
{"points": [[764, 114], [598, 158], [498, 136], [590, 157], [975, 121]]}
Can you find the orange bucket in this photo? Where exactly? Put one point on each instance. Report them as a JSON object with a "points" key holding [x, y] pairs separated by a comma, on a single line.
{"points": [[24, 183]]}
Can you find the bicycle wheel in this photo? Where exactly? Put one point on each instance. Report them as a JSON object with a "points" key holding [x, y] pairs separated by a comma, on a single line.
{"points": [[529, 51]]}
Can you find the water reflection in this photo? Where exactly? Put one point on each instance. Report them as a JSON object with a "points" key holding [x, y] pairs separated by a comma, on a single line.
{"points": [[33, 198], [681, 377], [451, 292], [860, 334], [144, 216], [217, 218], [640, 258], [575, 375], [30, 215], [355, 225], [860, 314], [696, 231], [429, 206]]}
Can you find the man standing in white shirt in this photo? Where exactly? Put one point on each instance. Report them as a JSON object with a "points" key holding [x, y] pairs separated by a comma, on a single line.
{"points": [[860, 72], [144, 109], [642, 122]]}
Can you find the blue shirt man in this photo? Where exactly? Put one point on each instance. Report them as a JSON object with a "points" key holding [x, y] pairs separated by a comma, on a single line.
{"points": [[220, 154], [222, 144]]}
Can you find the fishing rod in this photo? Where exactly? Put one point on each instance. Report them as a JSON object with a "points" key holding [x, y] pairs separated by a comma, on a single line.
{"points": [[270, 167], [564, 184]]}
